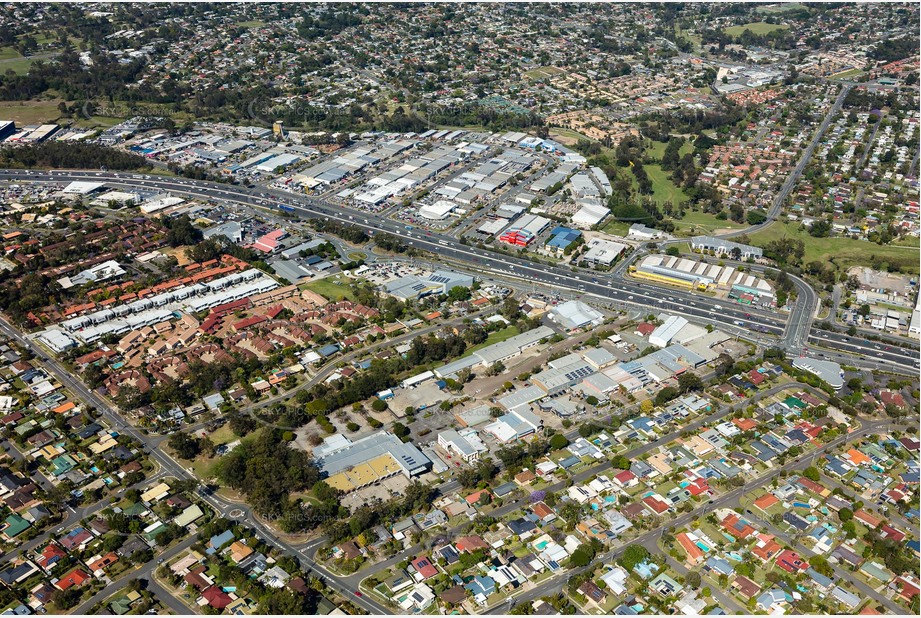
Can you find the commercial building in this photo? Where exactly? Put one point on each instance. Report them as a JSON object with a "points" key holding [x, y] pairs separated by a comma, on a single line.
{"points": [[575, 314], [348, 465], [827, 370], [725, 247], [524, 230], [439, 282], [743, 287], [497, 352], [561, 237], [662, 335], [515, 425], [160, 202], [7, 128], [231, 230], [642, 232], [603, 252], [590, 214], [465, 444], [582, 186], [437, 211], [563, 373]]}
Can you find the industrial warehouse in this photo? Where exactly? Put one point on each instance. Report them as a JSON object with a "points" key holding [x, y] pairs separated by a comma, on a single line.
{"points": [[691, 274], [348, 465]]}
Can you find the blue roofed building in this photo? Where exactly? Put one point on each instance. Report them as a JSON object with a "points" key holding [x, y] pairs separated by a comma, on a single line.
{"points": [[562, 237]]}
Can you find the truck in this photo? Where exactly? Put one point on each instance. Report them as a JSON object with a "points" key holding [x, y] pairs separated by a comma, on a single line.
{"points": [[286, 208]]}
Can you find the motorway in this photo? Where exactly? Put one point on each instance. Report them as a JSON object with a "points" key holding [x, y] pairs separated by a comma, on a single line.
{"points": [[612, 289]]}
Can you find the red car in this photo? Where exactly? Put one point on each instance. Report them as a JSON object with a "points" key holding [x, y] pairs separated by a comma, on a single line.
{"points": [[357, 594]]}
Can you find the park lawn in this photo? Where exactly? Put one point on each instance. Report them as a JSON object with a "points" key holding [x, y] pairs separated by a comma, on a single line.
{"points": [[8, 52], [494, 337], [567, 136], [253, 23], [696, 222], [846, 74], [617, 228], [656, 149], [330, 289], [19, 66], [757, 27], [29, 112], [97, 122], [663, 189], [843, 252], [542, 72]]}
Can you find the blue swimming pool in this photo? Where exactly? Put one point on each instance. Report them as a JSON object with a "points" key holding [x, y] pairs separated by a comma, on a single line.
{"points": [[801, 505], [734, 556], [702, 545]]}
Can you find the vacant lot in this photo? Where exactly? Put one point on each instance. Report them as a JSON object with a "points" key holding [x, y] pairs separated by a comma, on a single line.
{"points": [[542, 72], [844, 252], [331, 289], [695, 223], [29, 112], [567, 137], [494, 337], [757, 27]]}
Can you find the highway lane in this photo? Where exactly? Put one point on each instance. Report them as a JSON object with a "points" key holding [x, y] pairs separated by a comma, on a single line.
{"points": [[872, 351], [636, 294], [613, 287]]}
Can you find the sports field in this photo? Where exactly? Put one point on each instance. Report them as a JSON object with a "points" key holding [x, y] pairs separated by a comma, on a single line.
{"points": [[844, 252], [757, 27]]}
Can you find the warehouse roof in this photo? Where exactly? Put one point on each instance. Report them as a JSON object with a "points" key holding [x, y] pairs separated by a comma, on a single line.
{"points": [[407, 456]]}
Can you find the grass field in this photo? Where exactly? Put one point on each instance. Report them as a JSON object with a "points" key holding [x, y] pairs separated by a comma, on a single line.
{"points": [[565, 136], [846, 74], [253, 23], [757, 27], [97, 121], [331, 289], [656, 150], [780, 8], [223, 435], [696, 222], [844, 252], [494, 337], [19, 66], [8, 52], [542, 72], [663, 189], [617, 228], [29, 112]]}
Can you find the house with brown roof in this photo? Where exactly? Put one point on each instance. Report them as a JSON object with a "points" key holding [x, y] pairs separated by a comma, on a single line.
{"points": [[745, 587]]}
